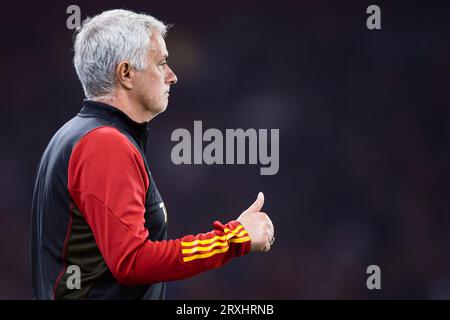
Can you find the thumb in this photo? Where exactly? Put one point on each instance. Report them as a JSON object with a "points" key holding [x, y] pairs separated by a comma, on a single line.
{"points": [[258, 204]]}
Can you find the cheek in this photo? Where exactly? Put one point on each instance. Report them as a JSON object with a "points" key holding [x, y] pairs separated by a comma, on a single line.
{"points": [[156, 82], [142, 83], [148, 85], [152, 86]]}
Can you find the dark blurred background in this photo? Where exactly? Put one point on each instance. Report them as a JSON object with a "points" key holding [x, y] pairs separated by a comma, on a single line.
{"points": [[364, 144]]}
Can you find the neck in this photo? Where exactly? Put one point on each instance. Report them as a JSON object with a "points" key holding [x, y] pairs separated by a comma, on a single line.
{"points": [[127, 106]]}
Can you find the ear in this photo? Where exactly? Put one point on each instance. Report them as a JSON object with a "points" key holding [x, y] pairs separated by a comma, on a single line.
{"points": [[125, 74]]}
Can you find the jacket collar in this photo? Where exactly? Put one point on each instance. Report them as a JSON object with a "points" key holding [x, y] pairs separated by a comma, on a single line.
{"points": [[95, 108]]}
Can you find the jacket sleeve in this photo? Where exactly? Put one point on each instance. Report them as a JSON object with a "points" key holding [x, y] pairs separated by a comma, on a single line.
{"points": [[108, 182]]}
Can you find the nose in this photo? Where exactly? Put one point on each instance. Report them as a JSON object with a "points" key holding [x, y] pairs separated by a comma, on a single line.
{"points": [[172, 77]]}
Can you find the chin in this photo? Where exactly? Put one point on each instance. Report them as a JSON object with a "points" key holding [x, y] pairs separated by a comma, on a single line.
{"points": [[161, 109], [164, 107]]}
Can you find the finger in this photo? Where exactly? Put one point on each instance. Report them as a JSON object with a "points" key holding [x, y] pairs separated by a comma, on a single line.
{"points": [[258, 204], [269, 225], [267, 246], [271, 228]]}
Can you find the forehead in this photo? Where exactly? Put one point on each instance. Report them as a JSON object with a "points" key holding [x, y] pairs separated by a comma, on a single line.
{"points": [[158, 45]]}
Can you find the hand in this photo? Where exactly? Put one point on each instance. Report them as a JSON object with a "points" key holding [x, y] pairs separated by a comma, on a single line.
{"points": [[258, 225]]}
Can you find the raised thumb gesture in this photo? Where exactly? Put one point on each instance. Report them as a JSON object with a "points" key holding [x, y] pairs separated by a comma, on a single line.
{"points": [[258, 225]]}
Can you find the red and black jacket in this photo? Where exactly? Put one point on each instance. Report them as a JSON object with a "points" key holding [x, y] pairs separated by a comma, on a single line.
{"points": [[96, 206]]}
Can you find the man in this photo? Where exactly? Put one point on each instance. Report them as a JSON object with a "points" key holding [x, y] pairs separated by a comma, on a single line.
{"points": [[97, 213]]}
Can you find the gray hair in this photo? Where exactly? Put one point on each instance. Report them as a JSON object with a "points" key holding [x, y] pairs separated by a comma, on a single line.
{"points": [[105, 40]]}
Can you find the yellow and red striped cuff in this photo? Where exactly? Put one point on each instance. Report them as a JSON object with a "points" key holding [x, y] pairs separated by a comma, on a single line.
{"points": [[225, 237]]}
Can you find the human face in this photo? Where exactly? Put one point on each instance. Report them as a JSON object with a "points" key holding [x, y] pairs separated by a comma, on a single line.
{"points": [[153, 84]]}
